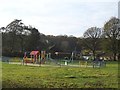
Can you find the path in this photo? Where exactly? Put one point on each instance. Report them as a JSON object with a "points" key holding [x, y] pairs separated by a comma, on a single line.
{"points": [[30, 64]]}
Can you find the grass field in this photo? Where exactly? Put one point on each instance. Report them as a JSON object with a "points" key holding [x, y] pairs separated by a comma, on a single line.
{"points": [[19, 76]]}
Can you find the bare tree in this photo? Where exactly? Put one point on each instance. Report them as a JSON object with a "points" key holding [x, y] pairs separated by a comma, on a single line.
{"points": [[92, 36]]}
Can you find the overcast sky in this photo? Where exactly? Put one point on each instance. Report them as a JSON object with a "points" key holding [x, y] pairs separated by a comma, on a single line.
{"points": [[59, 17]]}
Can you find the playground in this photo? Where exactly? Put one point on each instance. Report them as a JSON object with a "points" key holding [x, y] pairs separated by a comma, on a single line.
{"points": [[41, 58]]}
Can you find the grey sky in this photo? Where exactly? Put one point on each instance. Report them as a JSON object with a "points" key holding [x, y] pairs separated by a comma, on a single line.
{"points": [[59, 17]]}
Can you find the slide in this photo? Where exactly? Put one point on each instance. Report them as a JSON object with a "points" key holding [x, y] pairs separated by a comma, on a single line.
{"points": [[54, 61]]}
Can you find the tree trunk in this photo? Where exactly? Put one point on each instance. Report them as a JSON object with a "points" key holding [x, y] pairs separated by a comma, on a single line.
{"points": [[13, 42], [94, 54], [114, 56], [118, 56]]}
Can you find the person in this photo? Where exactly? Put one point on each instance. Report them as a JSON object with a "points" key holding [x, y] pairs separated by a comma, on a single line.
{"points": [[103, 63], [96, 62]]}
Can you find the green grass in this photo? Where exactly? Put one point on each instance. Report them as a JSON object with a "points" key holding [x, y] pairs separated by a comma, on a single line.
{"points": [[15, 59], [18, 76]]}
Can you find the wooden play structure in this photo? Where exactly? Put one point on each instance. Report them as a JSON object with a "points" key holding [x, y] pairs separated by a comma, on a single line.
{"points": [[43, 58], [35, 57]]}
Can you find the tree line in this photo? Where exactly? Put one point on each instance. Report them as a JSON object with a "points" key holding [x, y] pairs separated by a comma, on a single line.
{"points": [[18, 38]]}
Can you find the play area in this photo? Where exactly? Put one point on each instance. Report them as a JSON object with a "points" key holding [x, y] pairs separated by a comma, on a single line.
{"points": [[41, 58]]}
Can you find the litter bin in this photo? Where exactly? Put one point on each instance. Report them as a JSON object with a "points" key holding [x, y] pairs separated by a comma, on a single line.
{"points": [[66, 63]]}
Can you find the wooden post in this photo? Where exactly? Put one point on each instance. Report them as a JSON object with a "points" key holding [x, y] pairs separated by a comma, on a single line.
{"points": [[39, 60]]}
